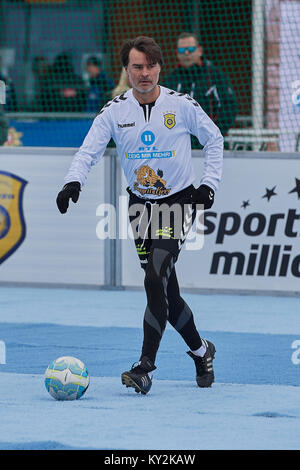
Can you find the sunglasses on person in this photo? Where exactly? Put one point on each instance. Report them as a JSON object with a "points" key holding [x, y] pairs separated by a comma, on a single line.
{"points": [[190, 49]]}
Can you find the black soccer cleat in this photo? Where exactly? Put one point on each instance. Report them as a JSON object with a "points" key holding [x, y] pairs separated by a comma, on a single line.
{"points": [[137, 377], [204, 368]]}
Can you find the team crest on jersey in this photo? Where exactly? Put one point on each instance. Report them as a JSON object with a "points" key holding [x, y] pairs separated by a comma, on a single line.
{"points": [[150, 182], [169, 120], [12, 224]]}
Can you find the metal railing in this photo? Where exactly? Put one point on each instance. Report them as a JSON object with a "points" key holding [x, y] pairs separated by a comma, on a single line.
{"points": [[258, 139], [23, 116], [240, 138]]}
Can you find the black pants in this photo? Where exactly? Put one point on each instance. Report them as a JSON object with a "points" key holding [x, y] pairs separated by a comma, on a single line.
{"points": [[160, 228]]}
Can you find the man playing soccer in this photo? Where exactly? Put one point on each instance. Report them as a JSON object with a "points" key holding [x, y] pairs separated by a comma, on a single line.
{"points": [[151, 126]]}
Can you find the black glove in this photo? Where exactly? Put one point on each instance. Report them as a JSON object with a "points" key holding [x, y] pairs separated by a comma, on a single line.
{"points": [[203, 195], [70, 190]]}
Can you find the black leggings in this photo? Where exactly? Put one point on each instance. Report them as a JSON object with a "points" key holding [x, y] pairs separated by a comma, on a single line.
{"points": [[164, 303]]}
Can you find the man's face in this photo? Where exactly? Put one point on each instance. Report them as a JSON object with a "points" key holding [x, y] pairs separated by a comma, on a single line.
{"points": [[142, 75], [93, 70], [185, 57]]}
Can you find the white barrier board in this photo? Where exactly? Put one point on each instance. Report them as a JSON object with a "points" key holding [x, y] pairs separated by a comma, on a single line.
{"points": [[56, 248], [251, 234]]}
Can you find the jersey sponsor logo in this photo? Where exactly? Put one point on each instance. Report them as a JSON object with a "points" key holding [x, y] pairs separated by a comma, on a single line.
{"points": [[129, 124], [148, 138], [149, 155], [169, 120], [148, 150], [12, 224], [150, 182]]}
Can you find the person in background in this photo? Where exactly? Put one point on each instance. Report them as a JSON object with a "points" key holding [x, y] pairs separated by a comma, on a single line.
{"points": [[62, 89], [40, 67], [99, 85], [203, 81], [122, 86], [10, 93], [3, 126]]}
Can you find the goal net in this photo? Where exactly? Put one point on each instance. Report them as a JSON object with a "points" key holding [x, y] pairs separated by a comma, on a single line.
{"points": [[246, 74]]}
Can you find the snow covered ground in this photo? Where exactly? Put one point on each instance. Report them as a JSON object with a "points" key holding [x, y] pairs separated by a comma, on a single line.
{"points": [[254, 403]]}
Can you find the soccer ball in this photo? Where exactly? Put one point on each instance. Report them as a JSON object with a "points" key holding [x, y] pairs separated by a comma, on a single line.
{"points": [[67, 378]]}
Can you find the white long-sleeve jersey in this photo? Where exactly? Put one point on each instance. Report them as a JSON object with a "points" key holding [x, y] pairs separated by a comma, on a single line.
{"points": [[153, 143]]}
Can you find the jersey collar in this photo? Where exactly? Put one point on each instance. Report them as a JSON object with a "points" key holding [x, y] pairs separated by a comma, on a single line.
{"points": [[157, 101]]}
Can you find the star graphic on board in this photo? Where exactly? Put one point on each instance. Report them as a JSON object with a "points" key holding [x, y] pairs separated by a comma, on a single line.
{"points": [[245, 204], [270, 193], [296, 189]]}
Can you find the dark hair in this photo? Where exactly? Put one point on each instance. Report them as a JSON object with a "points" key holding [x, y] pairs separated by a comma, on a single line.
{"points": [[189, 35], [93, 60], [143, 44]]}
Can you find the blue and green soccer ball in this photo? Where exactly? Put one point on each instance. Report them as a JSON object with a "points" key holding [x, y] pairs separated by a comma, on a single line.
{"points": [[67, 378]]}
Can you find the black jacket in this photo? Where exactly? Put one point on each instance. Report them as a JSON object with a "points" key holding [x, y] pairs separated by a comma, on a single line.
{"points": [[99, 91], [61, 90], [210, 87]]}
